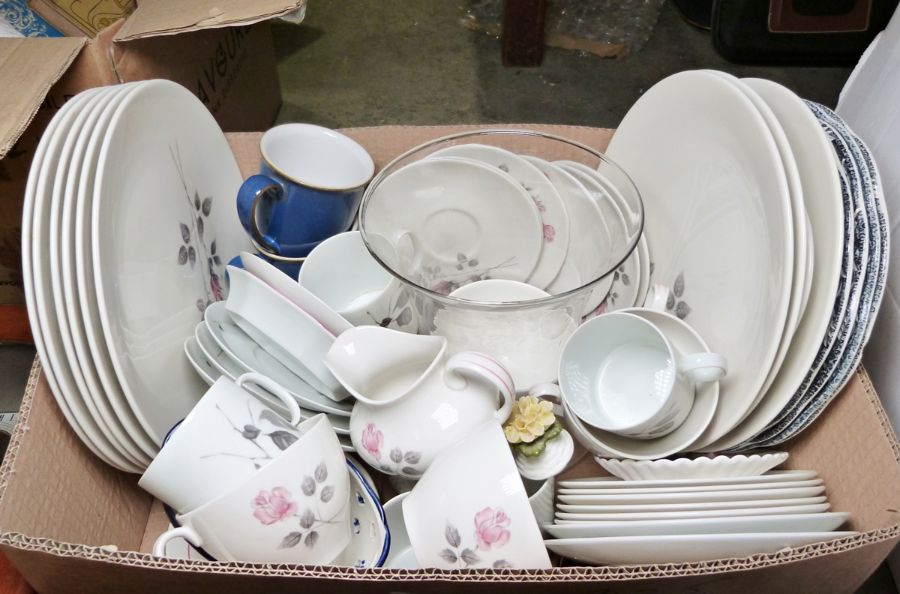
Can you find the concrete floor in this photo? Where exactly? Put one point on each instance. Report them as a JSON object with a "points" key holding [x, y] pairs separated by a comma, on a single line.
{"points": [[364, 63]]}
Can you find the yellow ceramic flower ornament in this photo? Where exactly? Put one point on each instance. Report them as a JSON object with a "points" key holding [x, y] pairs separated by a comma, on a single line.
{"points": [[529, 419]]}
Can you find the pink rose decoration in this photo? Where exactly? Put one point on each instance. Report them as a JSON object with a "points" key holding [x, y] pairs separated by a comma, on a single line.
{"points": [[372, 439], [490, 528], [273, 507], [549, 233]]}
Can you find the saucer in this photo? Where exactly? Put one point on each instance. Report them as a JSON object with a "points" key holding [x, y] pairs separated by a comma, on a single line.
{"points": [[682, 548], [821, 522], [610, 445], [551, 208], [453, 208], [240, 347], [693, 468]]}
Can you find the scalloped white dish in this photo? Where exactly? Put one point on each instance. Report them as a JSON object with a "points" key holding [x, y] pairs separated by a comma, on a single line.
{"points": [[688, 468]]}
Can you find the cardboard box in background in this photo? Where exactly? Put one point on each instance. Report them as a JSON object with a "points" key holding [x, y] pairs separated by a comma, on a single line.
{"points": [[70, 524], [220, 49], [75, 18]]}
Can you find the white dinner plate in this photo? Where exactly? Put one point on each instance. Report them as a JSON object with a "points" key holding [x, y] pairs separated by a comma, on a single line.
{"points": [[825, 210], [625, 489], [44, 329], [566, 517], [452, 208], [609, 482], [783, 523], [604, 443], [164, 228], [718, 222], [799, 218], [115, 414], [699, 506], [690, 497], [242, 348], [551, 208], [699, 467], [688, 548]]}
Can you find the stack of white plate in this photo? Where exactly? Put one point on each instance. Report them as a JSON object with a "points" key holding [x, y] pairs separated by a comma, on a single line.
{"points": [[611, 521], [747, 191], [128, 223]]}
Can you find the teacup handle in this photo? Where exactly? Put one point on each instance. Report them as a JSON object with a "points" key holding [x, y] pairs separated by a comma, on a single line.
{"points": [[251, 193], [276, 389], [185, 532], [469, 364], [704, 367]]}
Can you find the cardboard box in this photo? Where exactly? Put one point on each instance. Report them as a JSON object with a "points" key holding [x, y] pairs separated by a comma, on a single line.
{"points": [[71, 524], [220, 49]]}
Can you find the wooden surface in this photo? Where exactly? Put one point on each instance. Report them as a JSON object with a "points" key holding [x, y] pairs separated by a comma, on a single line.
{"points": [[14, 326]]}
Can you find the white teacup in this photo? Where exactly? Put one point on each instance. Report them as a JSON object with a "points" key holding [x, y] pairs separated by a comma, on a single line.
{"points": [[620, 373], [341, 272], [227, 436], [470, 509], [296, 509]]}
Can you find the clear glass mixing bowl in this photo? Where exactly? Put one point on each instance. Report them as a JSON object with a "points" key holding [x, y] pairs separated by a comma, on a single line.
{"points": [[434, 259]]}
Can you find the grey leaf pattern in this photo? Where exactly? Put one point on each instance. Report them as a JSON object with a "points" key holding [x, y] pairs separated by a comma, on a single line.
{"points": [[217, 260], [250, 432], [311, 539], [291, 540], [469, 557], [182, 256], [321, 473], [405, 317], [212, 247], [670, 301], [678, 287], [626, 280], [682, 310], [282, 439], [448, 556], [308, 486], [502, 564], [327, 494], [207, 206], [307, 519], [412, 457], [196, 200], [396, 456], [185, 232], [200, 226], [409, 470], [192, 256], [452, 536]]}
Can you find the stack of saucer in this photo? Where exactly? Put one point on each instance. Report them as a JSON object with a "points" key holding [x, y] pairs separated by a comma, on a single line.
{"points": [[610, 521], [274, 327]]}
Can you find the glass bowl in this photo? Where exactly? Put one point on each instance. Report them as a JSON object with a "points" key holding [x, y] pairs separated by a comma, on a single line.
{"points": [[443, 215]]}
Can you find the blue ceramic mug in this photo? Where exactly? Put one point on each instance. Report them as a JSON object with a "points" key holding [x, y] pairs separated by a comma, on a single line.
{"points": [[309, 188]]}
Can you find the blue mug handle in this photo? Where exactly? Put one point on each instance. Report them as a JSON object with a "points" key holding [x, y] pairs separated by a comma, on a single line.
{"points": [[253, 191]]}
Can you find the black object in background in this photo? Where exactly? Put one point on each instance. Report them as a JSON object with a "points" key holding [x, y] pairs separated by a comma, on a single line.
{"points": [[797, 32], [696, 12]]}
